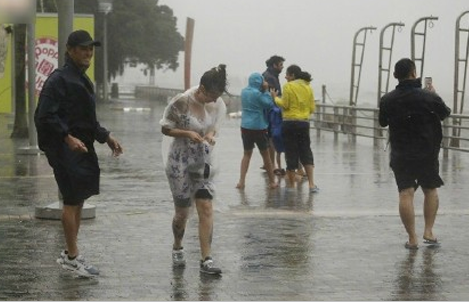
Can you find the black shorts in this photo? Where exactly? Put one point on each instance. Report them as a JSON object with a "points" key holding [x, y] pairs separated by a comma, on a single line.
{"points": [[251, 137], [412, 174], [297, 144], [76, 174]]}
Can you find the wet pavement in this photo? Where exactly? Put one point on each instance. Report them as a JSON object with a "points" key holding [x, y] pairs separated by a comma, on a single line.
{"points": [[344, 243]]}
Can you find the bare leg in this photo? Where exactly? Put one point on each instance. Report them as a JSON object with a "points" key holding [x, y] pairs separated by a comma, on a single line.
{"points": [[205, 212], [300, 171], [244, 169], [71, 226], [270, 170], [406, 211], [272, 153], [279, 160], [310, 173], [179, 225], [291, 176], [430, 208]]}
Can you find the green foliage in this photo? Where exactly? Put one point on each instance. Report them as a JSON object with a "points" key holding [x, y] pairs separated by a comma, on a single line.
{"points": [[142, 32]]}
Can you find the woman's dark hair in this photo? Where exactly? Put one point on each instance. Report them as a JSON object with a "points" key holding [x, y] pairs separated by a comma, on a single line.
{"points": [[214, 80], [274, 60], [296, 71], [403, 68]]}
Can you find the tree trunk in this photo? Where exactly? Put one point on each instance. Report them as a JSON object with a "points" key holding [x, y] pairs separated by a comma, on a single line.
{"points": [[20, 127]]}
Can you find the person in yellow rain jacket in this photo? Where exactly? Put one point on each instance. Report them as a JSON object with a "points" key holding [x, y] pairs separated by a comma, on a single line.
{"points": [[297, 104]]}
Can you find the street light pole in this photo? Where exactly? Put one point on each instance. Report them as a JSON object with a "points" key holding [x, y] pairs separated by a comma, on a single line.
{"points": [[105, 7], [105, 87]]}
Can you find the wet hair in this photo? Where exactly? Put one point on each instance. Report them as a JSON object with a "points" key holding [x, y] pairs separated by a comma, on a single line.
{"points": [[214, 80], [296, 71], [274, 60], [403, 69]]}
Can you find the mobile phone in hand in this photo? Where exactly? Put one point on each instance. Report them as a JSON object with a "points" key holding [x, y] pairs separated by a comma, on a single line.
{"points": [[428, 82]]}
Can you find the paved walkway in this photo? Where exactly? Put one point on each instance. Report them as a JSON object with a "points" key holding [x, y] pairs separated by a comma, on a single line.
{"points": [[344, 243]]}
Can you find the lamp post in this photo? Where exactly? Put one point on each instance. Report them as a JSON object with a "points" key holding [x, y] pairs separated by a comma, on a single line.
{"points": [[105, 7]]}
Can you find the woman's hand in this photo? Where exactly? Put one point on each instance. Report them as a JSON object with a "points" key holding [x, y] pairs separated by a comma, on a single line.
{"points": [[210, 139], [195, 137], [273, 93]]}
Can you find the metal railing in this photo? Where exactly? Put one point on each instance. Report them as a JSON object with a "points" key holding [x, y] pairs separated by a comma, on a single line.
{"points": [[356, 122]]}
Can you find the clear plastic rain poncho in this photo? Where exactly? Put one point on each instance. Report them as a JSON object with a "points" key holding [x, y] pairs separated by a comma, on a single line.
{"points": [[191, 166]]}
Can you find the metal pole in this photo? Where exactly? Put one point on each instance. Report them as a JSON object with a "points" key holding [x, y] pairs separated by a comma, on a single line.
{"points": [[353, 96], [413, 34], [13, 73], [32, 87], [381, 49], [66, 11], [105, 66]]}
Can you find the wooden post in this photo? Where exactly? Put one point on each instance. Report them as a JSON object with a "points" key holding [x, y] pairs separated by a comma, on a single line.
{"points": [[188, 52]]}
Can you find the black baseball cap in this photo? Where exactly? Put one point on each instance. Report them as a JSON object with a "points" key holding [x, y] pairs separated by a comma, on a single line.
{"points": [[81, 38]]}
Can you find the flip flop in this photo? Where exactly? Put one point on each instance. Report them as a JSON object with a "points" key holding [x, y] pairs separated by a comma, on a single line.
{"points": [[431, 242], [411, 247]]}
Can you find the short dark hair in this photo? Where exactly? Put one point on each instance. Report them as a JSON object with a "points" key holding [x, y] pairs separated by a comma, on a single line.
{"points": [[274, 60], [403, 68]]}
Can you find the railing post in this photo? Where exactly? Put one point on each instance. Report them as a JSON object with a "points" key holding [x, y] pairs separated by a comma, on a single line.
{"points": [[336, 123], [446, 140], [378, 133], [353, 121]]}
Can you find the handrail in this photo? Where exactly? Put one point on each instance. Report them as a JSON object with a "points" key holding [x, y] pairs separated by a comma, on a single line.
{"points": [[354, 122]]}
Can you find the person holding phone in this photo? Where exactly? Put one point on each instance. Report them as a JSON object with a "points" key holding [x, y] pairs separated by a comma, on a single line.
{"points": [[414, 118]]}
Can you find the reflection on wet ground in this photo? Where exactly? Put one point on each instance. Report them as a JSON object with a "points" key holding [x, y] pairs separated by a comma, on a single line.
{"points": [[344, 243]]}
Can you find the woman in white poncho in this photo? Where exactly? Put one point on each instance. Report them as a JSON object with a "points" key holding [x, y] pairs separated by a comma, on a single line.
{"points": [[193, 119]]}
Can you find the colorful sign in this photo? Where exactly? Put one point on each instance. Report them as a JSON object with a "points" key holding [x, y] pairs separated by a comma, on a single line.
{"points": [[47, 59], [46, 55]]}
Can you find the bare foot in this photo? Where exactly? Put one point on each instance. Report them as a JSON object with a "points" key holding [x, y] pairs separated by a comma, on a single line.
{"points": [[273, 185], [240, 186]]}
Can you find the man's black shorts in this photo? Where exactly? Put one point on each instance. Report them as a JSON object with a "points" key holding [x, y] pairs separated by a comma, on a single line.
{"points": [[415, 173], [77, 174]]}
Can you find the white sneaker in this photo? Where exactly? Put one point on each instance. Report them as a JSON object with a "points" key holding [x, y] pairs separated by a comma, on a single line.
{"points": [[207, 267], [79, 268], [64, 254], [178, 257]]}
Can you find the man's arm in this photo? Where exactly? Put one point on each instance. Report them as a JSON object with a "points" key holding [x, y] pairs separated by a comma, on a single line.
{"points": [[383, 118]]}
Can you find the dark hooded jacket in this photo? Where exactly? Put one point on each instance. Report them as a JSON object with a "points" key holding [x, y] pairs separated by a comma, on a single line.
{"points": [[414, 118], [67, 105]]}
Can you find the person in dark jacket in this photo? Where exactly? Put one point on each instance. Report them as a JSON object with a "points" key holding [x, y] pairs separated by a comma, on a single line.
{"points": [[274, 115], [67, 127], [414, 118]]}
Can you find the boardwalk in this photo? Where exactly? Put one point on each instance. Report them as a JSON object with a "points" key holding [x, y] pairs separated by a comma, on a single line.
{"points": [[344, 243]]}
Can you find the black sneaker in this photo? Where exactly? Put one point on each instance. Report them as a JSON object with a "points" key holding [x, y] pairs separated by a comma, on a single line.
{"points": [[207, 267]]}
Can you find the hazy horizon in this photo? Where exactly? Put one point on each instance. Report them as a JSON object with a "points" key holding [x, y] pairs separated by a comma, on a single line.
{"points": [[318, 36]]}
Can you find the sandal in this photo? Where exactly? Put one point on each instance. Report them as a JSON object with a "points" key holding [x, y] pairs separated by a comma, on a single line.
{"points": [[279, 172]]}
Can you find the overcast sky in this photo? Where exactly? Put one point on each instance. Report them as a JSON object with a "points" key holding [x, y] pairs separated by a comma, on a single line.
{"points": [[318, 36]]}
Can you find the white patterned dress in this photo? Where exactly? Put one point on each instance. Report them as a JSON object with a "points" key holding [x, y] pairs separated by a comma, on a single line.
{"points": [[189, 165]]}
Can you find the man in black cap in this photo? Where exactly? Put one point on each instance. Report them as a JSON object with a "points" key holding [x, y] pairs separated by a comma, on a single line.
{"points": [[414, 118], [67, 127]]}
